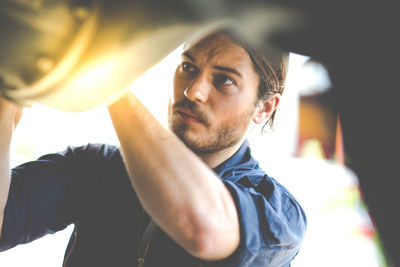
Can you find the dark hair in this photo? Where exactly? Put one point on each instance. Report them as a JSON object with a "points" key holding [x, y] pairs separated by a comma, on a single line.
{"points": [[271, 67]]}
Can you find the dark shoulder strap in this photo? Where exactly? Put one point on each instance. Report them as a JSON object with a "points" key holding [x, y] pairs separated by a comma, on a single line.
{"points": [[147, 235]]}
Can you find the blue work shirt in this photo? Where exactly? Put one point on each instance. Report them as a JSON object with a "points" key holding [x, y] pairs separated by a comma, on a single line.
{"points": [[88, 186]]}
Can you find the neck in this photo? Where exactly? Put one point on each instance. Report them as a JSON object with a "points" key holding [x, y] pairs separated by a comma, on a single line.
{"points": [[213, 159]]}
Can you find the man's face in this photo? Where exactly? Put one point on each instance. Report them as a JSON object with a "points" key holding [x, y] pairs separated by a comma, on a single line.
{"points": [[215, 94]]}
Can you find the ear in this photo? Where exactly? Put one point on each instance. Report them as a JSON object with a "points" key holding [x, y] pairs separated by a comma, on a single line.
{"points": [[265, 108]]}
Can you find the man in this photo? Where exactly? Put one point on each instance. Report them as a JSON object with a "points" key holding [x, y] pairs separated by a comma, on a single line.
{"points": [[213, 204]]}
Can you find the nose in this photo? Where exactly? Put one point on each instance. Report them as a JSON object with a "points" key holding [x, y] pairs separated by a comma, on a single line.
{"points": [[198, 90]]}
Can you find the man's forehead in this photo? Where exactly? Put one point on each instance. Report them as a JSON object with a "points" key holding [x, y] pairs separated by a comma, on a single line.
{"points": [[216, 47]]}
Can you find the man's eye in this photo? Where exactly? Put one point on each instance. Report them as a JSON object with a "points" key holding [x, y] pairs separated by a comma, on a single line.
{"points": [[186, 66], [222, 79]]}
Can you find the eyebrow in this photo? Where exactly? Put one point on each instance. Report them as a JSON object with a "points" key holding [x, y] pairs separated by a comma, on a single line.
{"points": [[189, 56], [227, 69], [222, 68]]}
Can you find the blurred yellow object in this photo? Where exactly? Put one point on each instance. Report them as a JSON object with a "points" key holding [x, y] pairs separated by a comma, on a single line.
{"points": [[312, 148], [76, 54]]}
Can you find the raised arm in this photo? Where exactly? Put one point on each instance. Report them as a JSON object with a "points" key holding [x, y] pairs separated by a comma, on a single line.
{"points": [[9, 117], [181, 193]]}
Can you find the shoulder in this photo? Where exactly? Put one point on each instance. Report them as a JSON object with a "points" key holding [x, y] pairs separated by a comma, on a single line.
{"points": [[272, 221], [281, 218], [91, 150], [87, 155], [98, 159], [87, 164], [270, 195]]}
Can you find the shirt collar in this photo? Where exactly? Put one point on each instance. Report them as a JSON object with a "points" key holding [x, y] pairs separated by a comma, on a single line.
{"points": [[241, 156]]}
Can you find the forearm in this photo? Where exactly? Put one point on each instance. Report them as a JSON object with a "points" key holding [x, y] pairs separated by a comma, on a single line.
{"points": [[176, 188], [5, 174], [10, 115]]}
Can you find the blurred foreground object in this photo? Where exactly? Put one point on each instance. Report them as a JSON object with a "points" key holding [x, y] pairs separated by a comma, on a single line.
{"points": [[357, 42], [77, 54]]}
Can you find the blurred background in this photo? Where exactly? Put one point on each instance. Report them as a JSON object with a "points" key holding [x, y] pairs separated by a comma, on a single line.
{"points": [[304, 152]]}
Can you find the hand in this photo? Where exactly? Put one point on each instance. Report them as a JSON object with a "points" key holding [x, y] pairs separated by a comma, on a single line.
{"points": [[10, 114]]}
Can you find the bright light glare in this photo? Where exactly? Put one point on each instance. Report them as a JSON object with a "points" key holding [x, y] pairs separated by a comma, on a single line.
{"points": [[95, 75]]}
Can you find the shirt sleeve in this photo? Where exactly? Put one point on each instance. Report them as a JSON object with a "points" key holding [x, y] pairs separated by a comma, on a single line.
{"points": [[272, 224], [48, 194]]}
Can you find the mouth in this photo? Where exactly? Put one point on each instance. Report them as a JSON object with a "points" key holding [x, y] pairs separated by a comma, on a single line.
{"points": [[188, 116]]}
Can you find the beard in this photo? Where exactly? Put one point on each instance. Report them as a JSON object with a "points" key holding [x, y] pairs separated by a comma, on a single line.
{"points": [[217, 137]]}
